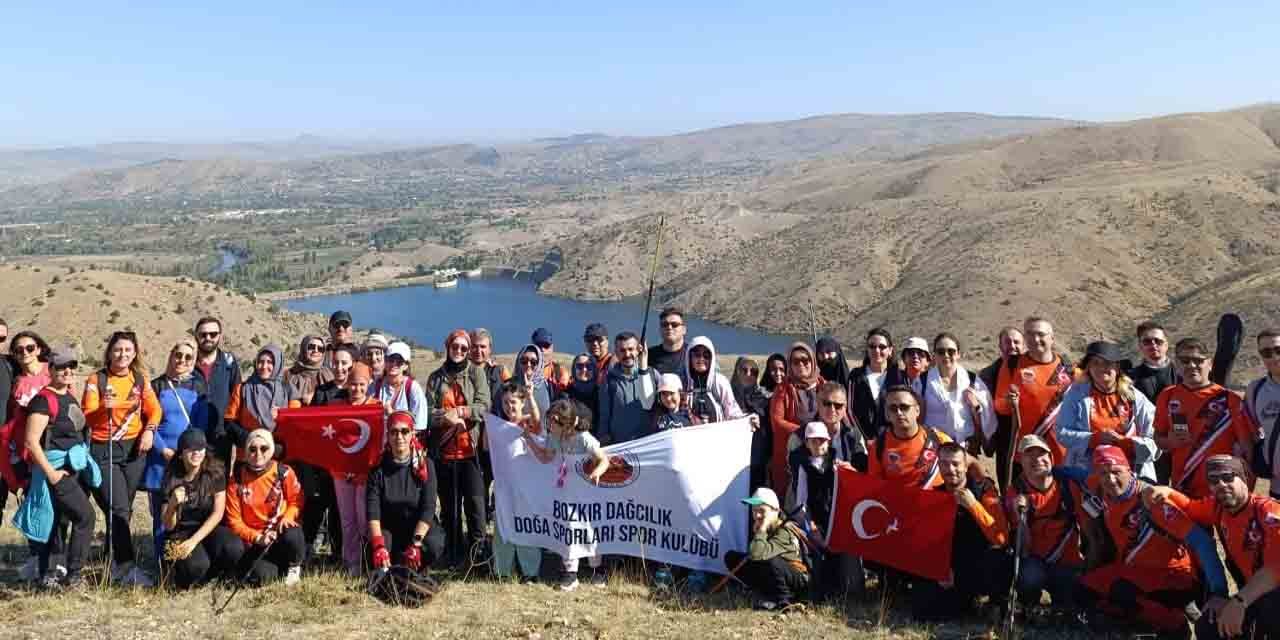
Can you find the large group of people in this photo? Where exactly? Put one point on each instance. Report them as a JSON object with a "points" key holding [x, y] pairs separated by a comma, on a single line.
{"points": [[1112, 482]]}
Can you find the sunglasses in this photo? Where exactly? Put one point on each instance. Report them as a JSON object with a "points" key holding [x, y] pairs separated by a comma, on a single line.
{"points": [[879, 347], [395, 360], [341, 324], [582, 365], [832, 405], [315, 347], [700, 353], [1269, 352], [749, 371], [182, 357], [208, 335], [459, 346], [1223, 478], [914, 353], [670, 325], [946, 352], [401, 432], [26, 348], [1191, 361], [801, 360], [528, 362], [1151, 342], [595, 340], [899, 408], [258, 449]]}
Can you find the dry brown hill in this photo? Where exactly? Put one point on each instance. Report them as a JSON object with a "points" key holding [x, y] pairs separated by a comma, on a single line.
{"points": [[1096, 227], [83, 307]]}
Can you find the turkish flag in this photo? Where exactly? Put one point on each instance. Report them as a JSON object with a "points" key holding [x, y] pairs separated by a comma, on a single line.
{"points": [[906, 528], [339, 438]]}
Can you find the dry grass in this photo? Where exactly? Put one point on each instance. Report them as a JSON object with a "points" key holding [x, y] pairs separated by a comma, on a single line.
{"points": [[330, 605]]}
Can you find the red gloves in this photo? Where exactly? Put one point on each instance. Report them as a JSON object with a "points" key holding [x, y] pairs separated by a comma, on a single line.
{"points": [[413, 557], [381, 557]]}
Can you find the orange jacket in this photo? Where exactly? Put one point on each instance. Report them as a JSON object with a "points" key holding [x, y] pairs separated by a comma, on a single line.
{"points": [[129, 394], [910, 462], [252, 503]]}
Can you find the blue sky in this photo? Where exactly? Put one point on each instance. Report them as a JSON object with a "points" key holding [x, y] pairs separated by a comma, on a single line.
{"points": [[86, 72]]}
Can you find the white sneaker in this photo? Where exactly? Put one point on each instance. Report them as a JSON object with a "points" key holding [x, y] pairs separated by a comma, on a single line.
{"points": [[30, 570], [293, 577]]}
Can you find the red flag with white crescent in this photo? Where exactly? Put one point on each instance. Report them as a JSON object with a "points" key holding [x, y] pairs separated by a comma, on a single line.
{"points": [[339, 438], [906, 528]]}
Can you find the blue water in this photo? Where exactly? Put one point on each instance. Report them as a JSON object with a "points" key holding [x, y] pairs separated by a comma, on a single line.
{"points": [[511, 310]]}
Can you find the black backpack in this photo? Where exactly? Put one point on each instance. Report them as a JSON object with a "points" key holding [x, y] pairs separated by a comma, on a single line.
{"points": [[403, 587]]}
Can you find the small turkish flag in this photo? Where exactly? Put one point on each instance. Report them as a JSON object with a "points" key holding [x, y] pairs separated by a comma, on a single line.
{"points": [[339, 438], [906, 528]]}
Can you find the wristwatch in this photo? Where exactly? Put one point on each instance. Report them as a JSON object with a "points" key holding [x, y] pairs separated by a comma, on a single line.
{"points": [[1239, 599]]}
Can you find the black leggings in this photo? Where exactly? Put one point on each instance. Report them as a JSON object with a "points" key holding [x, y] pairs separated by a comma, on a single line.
{"points": [[470, 484], [70, 505], [215, 557], [774, 579], [120, 480], [288, 551], [321, 506]]}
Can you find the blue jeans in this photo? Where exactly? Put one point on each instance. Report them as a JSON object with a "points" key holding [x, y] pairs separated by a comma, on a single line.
{"points": [[1036, 575]]}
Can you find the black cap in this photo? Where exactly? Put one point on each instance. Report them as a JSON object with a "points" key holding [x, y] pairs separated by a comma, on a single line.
{"points": [[596, 330], [541, 337], [1108, 351], [192, 439], [339, 316], [62, 356]]}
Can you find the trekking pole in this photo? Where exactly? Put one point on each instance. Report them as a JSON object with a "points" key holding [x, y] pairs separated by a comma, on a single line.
{"points": [[245, 578], [733, 573], [653, 274], [1007, 630], [1015, 426]]}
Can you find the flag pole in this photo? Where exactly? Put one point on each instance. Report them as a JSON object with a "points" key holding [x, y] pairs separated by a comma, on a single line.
{"points": [[653, 274]]}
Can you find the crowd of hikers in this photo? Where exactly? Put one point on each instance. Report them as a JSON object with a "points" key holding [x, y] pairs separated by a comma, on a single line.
{"points": [[1115, 482]]}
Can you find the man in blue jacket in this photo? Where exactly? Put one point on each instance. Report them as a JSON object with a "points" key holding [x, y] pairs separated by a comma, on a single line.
{"points": [[628, 394], [220, 373]]}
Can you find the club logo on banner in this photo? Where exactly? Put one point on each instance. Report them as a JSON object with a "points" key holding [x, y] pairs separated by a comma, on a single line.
{"points": [[665, 498], [906, 528]]}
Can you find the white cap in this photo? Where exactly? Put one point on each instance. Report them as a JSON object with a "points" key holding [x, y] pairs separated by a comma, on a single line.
{"points": [[670, 382], [376, 340], [763, 495], [916, 342], [401, 349], [816, 430]]}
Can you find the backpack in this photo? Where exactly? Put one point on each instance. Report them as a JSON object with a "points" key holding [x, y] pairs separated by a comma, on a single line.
{"points": [[931, 443], [403, 587]]}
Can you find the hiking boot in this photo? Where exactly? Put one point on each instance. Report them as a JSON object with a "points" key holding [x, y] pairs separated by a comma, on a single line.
{"points": [[766, 605], [131, 575], [293, 577], [568, 581], [599, 577], [50, 583], [76, 583], [529, 580]]}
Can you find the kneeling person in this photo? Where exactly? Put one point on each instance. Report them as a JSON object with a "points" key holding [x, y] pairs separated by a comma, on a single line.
{"points": [[1051, 558], [979, 565], [198, 546], [264, 502], [773, 566], [400, 501]]}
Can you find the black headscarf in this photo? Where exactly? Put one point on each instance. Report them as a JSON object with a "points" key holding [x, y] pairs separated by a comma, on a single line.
{"points": [[837, 371], [765, 380]]}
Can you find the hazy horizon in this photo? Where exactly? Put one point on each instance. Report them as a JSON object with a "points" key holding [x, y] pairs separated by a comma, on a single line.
{"points": [[402, 72]]}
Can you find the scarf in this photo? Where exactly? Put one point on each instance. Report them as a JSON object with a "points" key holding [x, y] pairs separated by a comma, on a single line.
{"points": [[259, 396], [837, 371], [579, 389], [455, 368], [539, 392], [741, 392], [793, 378]]}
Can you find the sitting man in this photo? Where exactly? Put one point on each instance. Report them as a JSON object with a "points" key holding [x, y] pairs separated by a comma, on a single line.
{"points": [[773, 566], [1152, 577], [1249, 528], [979, 565], [1051, 558]]}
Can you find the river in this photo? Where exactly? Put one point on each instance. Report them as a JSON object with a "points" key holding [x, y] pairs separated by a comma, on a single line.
{"points": [[511, 310], [227, 262]]}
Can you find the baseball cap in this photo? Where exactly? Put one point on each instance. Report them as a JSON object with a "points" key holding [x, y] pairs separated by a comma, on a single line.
{"points": [[816, 430], [192, 440], [917, 343], [541, 337], [376, 340], [764, 496], [62, 357], [670, 382], [1032, 441], [1108, 455], [596, 330], [339, 316], [401, 349]]}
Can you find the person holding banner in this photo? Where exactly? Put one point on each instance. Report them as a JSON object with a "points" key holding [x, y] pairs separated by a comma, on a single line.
{"points": [[1152, 577], [264, 504], [979, 565], [516, 401], [628, 394], [569, 435], [400, 501], [1198, 418], [906, 452], [773, 566]]}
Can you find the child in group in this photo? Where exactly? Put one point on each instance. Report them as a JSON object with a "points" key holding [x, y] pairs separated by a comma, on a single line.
{"points": [[515, 400], [570, 436], [668, 412]]}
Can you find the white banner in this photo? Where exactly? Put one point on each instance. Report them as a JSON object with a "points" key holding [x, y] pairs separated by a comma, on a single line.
{"points": [[674, 497]]}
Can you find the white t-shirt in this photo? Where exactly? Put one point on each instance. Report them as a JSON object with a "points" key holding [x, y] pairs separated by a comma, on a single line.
{"points": [[1264, 404], [875, 381]]}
